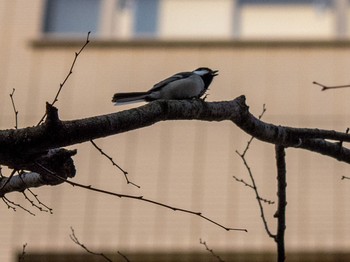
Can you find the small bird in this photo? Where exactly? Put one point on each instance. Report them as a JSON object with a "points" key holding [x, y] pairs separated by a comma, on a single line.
{"points": [[184, 85]]}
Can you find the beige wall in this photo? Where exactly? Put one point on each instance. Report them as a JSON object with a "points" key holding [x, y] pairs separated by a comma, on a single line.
{"points": [[305, 21], [188, 164], [196, 19]]}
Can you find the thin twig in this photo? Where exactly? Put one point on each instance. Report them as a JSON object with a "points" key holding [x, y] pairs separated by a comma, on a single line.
{"points": [[140, 198], [12, 205], [211, 250], [76, 241], [32, 203], [241, 180], [253, 184], [21, 257], [114, 164], [250, 186], [16, 127], [14, 108], [258, 198], [7, 204], [324, 87], [252, 138], [42, 208], [68, 75], [40, 204], [123, 256], [269, 202], [49, 209]]}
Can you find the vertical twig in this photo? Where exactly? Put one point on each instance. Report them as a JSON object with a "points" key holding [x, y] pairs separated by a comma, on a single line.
{"points": [[74, 238], [14, 108], [253, 184], [68, 75], [114, 164], [281, 209], [258, 198], [204, 243], [21, 257]]}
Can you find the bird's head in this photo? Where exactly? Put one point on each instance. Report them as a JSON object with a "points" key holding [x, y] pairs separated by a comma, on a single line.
{"points": [[206, 74], [205, 71]]}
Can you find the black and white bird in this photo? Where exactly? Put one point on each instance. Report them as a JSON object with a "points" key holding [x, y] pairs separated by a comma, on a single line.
{"points": [[184, 85]]}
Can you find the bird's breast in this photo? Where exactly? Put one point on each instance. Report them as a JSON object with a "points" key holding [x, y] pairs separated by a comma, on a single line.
{"points": [[186, 88]]}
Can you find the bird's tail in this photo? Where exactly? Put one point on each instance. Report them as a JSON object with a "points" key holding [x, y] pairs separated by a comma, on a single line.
{"points": [[131, 97]]}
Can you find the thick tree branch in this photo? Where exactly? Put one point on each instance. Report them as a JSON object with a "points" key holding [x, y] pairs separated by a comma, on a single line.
{"points": [[58, 160], [282, 202], [19, 146]]}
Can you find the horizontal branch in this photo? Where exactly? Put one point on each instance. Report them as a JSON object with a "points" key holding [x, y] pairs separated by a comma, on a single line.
{"points": [[28, 180], [18, 145]]}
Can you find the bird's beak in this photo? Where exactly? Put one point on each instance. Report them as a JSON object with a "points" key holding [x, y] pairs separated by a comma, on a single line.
{"points": [[215, 72]]}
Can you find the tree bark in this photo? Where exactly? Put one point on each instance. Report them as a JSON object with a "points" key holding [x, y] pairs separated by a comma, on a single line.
{"points": [[282, 202], [21, 149]]}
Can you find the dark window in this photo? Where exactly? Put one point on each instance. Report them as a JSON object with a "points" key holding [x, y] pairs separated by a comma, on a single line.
{"points": [[269, 2], [146, 17], [71, 16]]}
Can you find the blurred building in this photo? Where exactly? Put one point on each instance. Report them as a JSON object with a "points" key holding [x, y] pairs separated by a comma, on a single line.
{"points": [[271, 51]]}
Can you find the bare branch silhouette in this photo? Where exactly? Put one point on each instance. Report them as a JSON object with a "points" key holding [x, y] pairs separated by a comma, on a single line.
{"points": [[282, 202], [324, 87], [140, 198], [281, 193], [252, 138], [240, 180], [20, 148], [68, 75], [22, 256], [12, 205], [253, 184], [26, 143], [204, 243], [76, 241], [14, 108], [123, 256], [259, 199], [39, 205], [114, 164]]}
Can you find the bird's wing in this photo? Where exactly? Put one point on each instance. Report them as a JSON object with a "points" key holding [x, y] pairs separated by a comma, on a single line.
{"points": [[168, 80]]}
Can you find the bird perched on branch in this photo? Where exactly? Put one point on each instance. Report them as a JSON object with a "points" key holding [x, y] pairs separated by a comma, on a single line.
{"points": [[184, 85]]}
